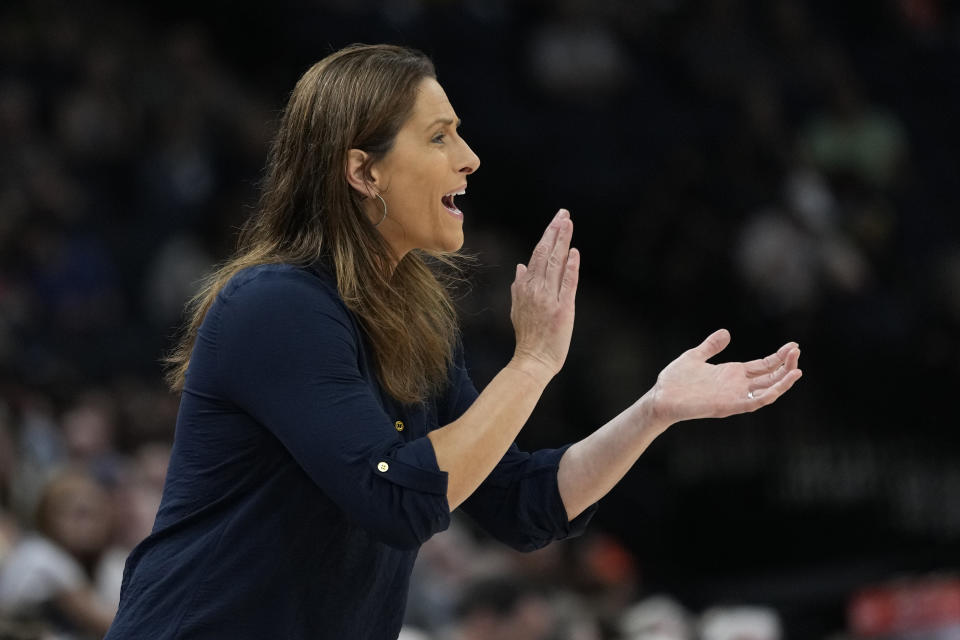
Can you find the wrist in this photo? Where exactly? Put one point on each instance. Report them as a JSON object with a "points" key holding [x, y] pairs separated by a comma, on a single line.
{"points": [[536, 370], [647, 415]]}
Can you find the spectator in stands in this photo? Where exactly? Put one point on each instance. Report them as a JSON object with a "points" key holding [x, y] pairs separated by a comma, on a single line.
{"points": [[49, 576]]}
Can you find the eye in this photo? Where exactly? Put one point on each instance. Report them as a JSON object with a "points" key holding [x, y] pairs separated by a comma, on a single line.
{"points": [[438, 139]]}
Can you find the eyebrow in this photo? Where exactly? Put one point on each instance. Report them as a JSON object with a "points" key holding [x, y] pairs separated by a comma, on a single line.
{"points": [[446, 121]]}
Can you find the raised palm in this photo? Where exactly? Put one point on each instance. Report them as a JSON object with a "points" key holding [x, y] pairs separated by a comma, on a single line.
{"points": [[690, 387]]}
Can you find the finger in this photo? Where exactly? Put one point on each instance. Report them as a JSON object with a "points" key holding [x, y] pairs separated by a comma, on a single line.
{"points": [[771, 362], [520, 271], [793, 359], [558, 257], [769, 379], [571, 276], [541, 252], [763, 397], [714, 344]]}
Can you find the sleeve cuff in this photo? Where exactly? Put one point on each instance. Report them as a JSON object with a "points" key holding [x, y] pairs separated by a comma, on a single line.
{"points": [[413, 466], [562, 527], [578, 525], [546, 518]]}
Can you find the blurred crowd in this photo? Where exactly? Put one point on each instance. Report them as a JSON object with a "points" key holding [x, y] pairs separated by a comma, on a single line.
{"points": [[784, 168]]}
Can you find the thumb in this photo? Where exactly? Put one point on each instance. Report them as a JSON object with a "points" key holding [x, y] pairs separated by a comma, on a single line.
{"points": [[520, 271], [714, 344]]}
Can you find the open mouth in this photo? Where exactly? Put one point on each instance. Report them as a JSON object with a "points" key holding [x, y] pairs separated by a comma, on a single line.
{"points": [[448, 204]]}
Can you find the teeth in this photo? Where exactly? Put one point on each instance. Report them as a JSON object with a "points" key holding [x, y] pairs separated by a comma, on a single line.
{"points": [[457, 193]]}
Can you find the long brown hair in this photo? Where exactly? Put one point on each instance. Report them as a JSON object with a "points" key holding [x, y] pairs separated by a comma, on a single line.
{"points": [[356, 98]]}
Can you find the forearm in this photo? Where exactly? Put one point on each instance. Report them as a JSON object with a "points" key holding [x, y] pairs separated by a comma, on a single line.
{"points": [[470, 447], [592, 466], [542, 311]]}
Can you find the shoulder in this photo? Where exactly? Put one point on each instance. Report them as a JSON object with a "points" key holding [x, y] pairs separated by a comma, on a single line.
{"points": [[280, 278], [282, 289]]}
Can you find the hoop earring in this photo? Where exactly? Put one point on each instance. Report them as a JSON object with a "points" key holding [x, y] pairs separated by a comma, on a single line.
{"points": [[384, 202]]}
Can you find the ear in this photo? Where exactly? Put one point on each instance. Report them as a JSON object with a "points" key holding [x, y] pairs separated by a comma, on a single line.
{"points": [[358, 174]]}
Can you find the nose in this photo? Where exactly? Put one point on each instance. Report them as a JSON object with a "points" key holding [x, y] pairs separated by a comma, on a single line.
{"points": [[471, 161]]}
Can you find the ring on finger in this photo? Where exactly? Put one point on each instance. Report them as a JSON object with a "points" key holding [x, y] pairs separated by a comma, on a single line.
{"points": [[750, 395]]}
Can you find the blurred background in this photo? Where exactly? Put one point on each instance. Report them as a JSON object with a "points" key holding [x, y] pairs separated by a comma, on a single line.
{"points": [[786, 169]]}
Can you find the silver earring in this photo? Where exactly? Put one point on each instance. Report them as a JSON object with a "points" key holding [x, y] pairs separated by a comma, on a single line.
{"points": [[384, 203]]}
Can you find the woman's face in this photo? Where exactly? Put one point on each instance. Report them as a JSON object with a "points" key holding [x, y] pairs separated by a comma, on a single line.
{"points": [[419, 177]]}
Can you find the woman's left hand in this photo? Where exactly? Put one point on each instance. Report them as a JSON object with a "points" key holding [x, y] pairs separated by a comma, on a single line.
{"points": [[690, 387]]}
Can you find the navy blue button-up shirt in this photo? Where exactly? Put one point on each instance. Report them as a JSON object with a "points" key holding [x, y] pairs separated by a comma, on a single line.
{"points": [[294, 506]]}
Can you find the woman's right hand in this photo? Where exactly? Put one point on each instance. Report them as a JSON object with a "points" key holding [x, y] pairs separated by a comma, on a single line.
{"points": [[543, 293]]}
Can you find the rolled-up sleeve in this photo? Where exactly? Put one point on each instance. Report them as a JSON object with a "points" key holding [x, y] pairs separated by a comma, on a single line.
{"points": [[288, 356], [519, 503]]}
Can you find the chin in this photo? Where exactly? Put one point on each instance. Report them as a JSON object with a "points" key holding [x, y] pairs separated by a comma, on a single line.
{"points": [[450, 243], [456, 245]]}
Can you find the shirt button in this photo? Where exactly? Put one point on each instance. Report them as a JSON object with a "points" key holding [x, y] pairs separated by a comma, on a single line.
{"points": [[399, 425], [383, 466]]}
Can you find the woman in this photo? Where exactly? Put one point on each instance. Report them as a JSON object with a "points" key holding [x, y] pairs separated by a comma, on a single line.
{"points": [[327, 424]]}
